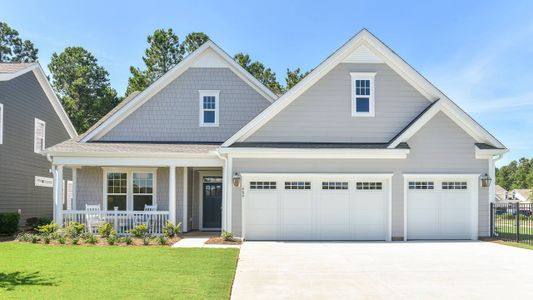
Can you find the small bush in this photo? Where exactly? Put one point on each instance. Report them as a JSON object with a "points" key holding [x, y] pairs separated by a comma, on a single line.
{"points": [[162, 240], [140, 231], [35, 238], [47, 229], [226, 236], [90, 238], [46, 238], [75, 240], [146, 240], [24, 237], [127, 240], [62, 239], [9, 223], [171, 230], [75, 229], [104, 229], [112, 238], [35, 222]]}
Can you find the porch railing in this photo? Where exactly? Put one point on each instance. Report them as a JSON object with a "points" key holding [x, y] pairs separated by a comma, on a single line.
{"points": [[122, 221]]}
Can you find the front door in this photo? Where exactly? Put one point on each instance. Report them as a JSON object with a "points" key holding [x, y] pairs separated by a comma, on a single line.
{"points": [[212, 203]]}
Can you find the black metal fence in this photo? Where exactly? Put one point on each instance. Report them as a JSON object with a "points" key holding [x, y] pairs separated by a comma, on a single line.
{"points": [[512, 222]]}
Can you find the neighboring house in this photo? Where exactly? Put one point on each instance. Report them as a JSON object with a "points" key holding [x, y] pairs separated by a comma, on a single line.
{"points": [[501, 194], [31, 119], [363, 148], [516, 195], [522, 195]]}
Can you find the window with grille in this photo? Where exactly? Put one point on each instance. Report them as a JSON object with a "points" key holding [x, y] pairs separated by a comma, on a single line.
{"points": [[334, 185], [363, 99], [421, 185], [454, 185], [297, 185], [39, 136], [209, 108], [368, 185], [262, 185]]}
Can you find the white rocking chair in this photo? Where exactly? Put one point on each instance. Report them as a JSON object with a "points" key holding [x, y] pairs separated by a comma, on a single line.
{"points": [[93, 218]]}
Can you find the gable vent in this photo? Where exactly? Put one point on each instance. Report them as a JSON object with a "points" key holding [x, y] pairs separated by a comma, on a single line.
{"points": [[362, 55]]}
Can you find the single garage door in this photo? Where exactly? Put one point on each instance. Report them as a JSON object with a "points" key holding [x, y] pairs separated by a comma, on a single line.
{"points": [[316, 207], [441, 207]]}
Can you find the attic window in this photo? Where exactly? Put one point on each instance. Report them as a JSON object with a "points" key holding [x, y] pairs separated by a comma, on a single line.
{"points": [[209, 108], [362, 97]]}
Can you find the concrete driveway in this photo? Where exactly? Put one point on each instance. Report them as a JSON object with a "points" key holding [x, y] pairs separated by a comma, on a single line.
{"points": [[398, 270]]}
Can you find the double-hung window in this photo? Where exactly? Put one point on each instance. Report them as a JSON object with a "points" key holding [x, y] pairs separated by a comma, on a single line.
{"points": [[39, 135], [363, 98], [129, 189], [209, 108]]}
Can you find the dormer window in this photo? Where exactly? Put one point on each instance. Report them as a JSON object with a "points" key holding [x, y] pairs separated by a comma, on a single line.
{"points": [[209, 108], [363, 100]]}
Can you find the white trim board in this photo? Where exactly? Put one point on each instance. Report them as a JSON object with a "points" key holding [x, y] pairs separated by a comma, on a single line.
{"points": [[368, 40], [171, 75]]}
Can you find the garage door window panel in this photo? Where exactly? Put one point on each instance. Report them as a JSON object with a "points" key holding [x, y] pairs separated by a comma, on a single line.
{"points": [[366, 185], [421, 185], [297, 185], [454, 185], [262, 185], [330, 185]]}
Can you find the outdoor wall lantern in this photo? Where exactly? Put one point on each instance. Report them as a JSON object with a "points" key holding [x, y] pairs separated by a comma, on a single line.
{"points": [[236, 180], [485, 180]]}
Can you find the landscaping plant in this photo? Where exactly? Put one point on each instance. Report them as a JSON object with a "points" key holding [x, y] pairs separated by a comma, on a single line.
{"points": [[35, 222], [9, 223], [112, 238], [226, 236], [162, 240], [75, 229], [104, 229], [127, 240], [90, 238], [170, 230]]}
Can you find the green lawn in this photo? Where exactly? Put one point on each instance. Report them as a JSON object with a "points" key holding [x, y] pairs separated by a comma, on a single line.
{"points": [[29, 271], [518, 245]]}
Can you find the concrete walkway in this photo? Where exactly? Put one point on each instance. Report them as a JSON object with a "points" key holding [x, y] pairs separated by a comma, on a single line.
{"points": [[191, 242], [399, 270]]}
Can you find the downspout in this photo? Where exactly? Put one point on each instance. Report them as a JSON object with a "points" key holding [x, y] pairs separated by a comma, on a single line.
{"points": [[225, 188]]}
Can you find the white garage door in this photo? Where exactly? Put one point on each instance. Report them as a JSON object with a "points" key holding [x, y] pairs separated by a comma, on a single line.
{"points": [[320, 207], [440, 207]]}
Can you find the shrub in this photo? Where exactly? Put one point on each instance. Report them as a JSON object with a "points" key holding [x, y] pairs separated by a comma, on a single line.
{"points": [[75, 229], [35, 238], [47, 229], [104, 229], [75, 240], [127, 240], [146, 240], [62, 239], [112, 238], [24, 237], [140, 231], [226, 236], [9, 223], [171, 230], [46, 238], [90, 238], [35, 222], [162, 240]]}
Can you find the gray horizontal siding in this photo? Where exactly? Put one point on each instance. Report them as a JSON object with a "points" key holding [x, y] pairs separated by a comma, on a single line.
{"points": [[439, 147], [173, 114], [24, 100], [323, 112]]}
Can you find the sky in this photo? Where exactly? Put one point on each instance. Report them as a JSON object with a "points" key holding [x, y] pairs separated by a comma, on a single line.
{"points": [[479, 53]]}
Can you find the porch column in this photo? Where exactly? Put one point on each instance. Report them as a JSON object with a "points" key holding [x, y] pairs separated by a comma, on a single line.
{"points": [[185, 223], [58, 193], [172, 193]]}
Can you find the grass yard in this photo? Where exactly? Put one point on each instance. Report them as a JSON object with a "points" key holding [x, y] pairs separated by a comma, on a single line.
{"points": [[29, 271], [518, 245]]}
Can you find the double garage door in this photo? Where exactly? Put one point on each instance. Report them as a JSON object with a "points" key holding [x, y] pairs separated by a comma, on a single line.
{"points": [[356, 207], [318, 207]]}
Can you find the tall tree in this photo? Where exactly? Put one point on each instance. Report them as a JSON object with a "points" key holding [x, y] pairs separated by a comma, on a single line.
{"points": [[82, 85], [13, 48], [293, 77], [516, 175], [259, 71], [163, 53]]}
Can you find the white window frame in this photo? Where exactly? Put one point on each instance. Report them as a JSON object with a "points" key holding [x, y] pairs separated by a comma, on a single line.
{"points": [[372, 101], [207, 93], [1, 123], [129, 189], [39, 149]]}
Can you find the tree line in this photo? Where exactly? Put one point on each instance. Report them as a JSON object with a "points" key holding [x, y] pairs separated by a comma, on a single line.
{"points": [[516, 175], [84, 88]]}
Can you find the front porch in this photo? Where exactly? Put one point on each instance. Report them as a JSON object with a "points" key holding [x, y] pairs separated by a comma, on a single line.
{"points": [[126, 194]]}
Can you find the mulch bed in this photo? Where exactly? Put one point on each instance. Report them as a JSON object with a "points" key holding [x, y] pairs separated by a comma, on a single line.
{"points": [[101, 242], [216, 240]]}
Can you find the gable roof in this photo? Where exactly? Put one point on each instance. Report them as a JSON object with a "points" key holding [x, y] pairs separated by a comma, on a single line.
{"points": [[211, 53], [365, 47], [10, 71]]}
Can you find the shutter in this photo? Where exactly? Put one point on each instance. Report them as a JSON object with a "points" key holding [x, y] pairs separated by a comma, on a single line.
{"points": [[40, 127]]}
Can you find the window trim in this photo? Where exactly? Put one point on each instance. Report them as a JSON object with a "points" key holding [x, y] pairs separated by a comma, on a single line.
{"points": [[129, 188], [39, 121], [1, 123], [205, 93], [353, 98]]}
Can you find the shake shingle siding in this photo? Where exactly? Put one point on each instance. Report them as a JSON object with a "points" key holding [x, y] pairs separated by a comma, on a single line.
{"points": [[24, 100], [323, 112], [172, 115]]}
